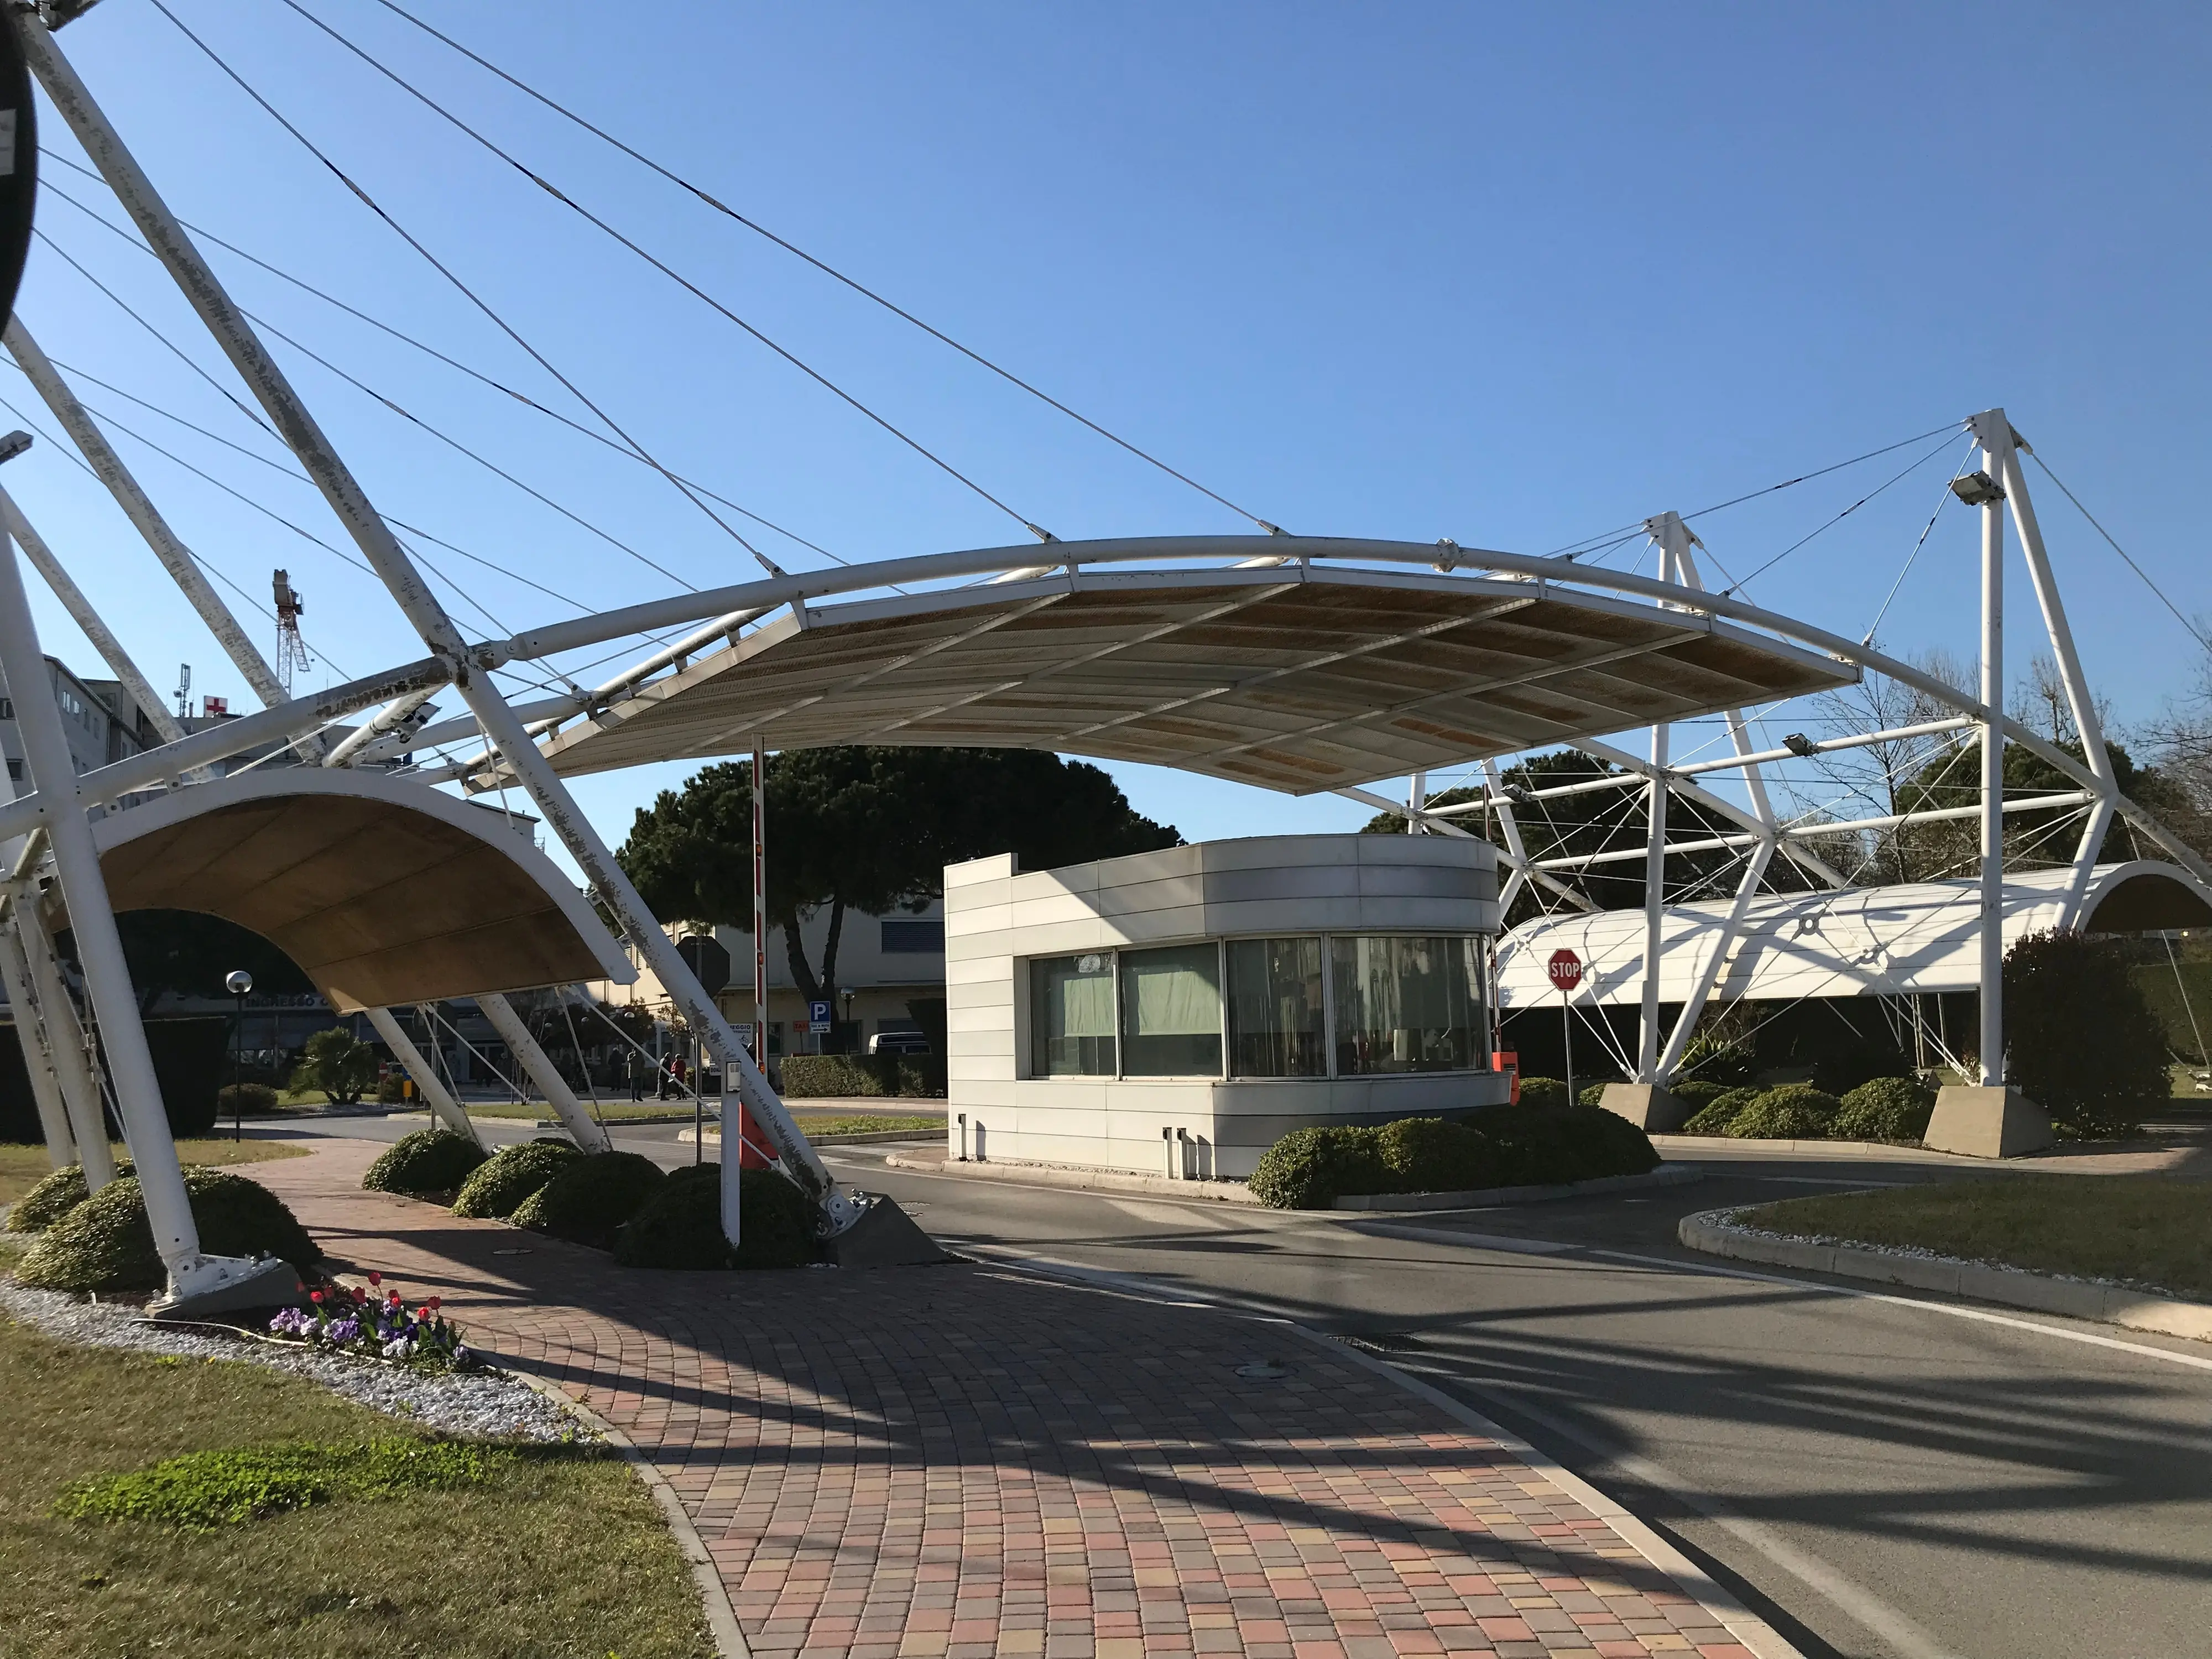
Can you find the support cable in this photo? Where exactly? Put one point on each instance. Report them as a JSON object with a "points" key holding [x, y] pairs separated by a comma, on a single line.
{"points": [[758, 229], [467, 292], [1729, 593], [47, 188], [2195, 633], [1942, 501], [663, 267]]}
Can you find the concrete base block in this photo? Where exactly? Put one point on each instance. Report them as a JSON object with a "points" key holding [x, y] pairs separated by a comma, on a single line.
{"points": [[883, 1236], [226, 1285], [1987, 1122], [1646, 1105]]}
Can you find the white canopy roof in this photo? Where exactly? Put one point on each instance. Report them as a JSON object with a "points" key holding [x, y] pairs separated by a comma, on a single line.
{"points": [[1855, 941]]}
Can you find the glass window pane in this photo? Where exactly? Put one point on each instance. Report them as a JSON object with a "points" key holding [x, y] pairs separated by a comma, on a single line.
{"points": [[1071, 1015], [1275, 1008], [1407, 1004], [1171, 1012]]}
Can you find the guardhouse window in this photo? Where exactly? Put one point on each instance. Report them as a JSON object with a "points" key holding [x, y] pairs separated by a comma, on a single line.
{"points": [[1171, 1012], [1406, 1004], [1275, 1010], [1071, 1015]]}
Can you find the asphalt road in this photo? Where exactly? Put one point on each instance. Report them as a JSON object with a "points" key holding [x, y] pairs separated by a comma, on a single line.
{"points": [[1877, 1475]]}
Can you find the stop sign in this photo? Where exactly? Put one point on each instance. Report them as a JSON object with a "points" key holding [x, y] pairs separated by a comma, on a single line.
{"points": [[1566, 969]]}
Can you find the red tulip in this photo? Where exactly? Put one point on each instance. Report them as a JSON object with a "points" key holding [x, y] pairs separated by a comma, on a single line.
{"points": [[436, 1302], [376, 1278], [315, 1295], [359, 1294]]}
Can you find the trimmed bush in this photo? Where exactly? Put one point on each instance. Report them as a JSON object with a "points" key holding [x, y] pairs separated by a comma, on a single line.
{"points": [[105, 1243], [1542, 1091], [1310, 1169], [591, 1198], [1593, 1096], [1427, 1154], [680, 1226], [428, 1161], [244, 1100], [1696, 1096], [510, 1175], [1504, 1146], [835, 1076], [1795, 1111], [1885, 1109], [1714, 1117], [54, 1198]]}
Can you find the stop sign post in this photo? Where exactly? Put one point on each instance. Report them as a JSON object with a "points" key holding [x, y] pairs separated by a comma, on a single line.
{"points": [[1566, 969]]}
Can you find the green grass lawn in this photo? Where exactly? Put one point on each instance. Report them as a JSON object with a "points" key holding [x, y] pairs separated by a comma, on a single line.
{"points": [[555, 1551], [22, 1168], [2151, 1230]]}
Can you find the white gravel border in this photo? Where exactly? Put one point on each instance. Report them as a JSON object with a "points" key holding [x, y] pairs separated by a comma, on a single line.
{"points": [[479, 1406]]}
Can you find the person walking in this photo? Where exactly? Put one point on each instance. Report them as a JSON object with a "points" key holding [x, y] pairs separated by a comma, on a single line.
{"points": [[637, 1066]]}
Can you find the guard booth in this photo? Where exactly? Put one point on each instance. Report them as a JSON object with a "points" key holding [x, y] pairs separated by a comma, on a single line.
{"points": [[1179, 1011]]}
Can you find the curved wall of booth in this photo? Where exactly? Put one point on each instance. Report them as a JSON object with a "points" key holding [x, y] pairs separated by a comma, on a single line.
{"points": [[1177, 1013]]}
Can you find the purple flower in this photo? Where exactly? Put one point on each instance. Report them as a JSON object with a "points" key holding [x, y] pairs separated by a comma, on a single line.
{"points": [[345, 1331]]}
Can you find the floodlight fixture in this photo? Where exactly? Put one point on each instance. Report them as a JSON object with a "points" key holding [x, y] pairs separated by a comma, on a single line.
{"points": [[1801, 745], [1518, 793], [14, 445], [1977, 488]]}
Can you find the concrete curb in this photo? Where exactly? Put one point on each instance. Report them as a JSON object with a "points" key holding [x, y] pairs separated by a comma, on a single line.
{"points": [[862, 1138], [721, 1617], [1764, 1641], [1101, 1180], [1840, 1150], [1666, 1174], [1715, 1233]]}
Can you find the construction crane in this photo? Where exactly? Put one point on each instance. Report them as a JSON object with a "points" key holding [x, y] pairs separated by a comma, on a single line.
{"points": [[291, 650]]}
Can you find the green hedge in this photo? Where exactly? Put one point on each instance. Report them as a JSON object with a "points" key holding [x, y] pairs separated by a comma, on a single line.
{"points": [[1714, 1117], [1887, 1108], [428, 1161], [1520, 1146], [1795, 1111], [1542, 1091], [105, 1243], [54, 1197], [510, 1175], [852, 1076], [591, 1198], [680, 1226]]}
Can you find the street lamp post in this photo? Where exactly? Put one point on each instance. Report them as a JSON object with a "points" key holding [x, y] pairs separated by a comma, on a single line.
{"points": [[848, 995], [238, 984]]}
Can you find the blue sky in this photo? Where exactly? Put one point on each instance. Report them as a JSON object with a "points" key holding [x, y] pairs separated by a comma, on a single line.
{"points": [[1513, 275]]}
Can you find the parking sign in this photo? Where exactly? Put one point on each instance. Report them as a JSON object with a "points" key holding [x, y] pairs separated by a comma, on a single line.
{"points": [[818, 1018]]}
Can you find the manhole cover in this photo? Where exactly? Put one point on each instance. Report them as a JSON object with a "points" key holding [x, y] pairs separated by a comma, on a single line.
{"points": [[1264, 1370]]}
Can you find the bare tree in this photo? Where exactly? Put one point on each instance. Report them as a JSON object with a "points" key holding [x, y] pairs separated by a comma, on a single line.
{"points": [[1885, 777]]}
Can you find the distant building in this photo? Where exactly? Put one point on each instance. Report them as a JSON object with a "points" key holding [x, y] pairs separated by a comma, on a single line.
{"points": [[99, 719]]}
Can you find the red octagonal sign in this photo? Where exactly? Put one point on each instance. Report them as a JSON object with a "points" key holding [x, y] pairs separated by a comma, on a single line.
{"points": [[1565, 969]]}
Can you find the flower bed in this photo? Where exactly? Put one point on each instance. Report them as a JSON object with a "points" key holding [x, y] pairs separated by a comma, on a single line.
{"points": [[357, 1320]]}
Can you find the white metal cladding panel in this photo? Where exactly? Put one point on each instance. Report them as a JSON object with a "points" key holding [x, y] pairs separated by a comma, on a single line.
{"points": [[1271, 852], [1157, 927], [984, 1094], [1261, 917], [965, 1065], [996, 1015], [1063, 938], [998, 866], [964, 920], [1130, 898], [971, 974]]}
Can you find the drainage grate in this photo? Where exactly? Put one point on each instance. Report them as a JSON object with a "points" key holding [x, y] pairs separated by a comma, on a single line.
{"points": [[1264, 1370]]}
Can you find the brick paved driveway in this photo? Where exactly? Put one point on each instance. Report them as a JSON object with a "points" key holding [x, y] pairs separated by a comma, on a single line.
{"points": [[963, 1461]]}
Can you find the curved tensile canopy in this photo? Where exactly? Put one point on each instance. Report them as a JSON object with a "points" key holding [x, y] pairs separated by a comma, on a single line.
{"points": [[383, 892], [1853, 941], [1293, 677]]}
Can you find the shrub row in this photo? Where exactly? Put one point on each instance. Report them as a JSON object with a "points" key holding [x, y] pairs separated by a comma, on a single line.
{"points": [[1885, 1108], [850, 1076], [1504, 1146], [610, 1200]]}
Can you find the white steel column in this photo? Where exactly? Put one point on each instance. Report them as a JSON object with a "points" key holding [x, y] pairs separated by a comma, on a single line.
{"points": [[71, 1051], [1988, 428], [138, 507], [582, 1127], [1416, 797], [1709, 972], [100, 948], [443, 1105], [760, 907], [37, 1056], [2079, 700], [502, 728], [135, 683]]}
